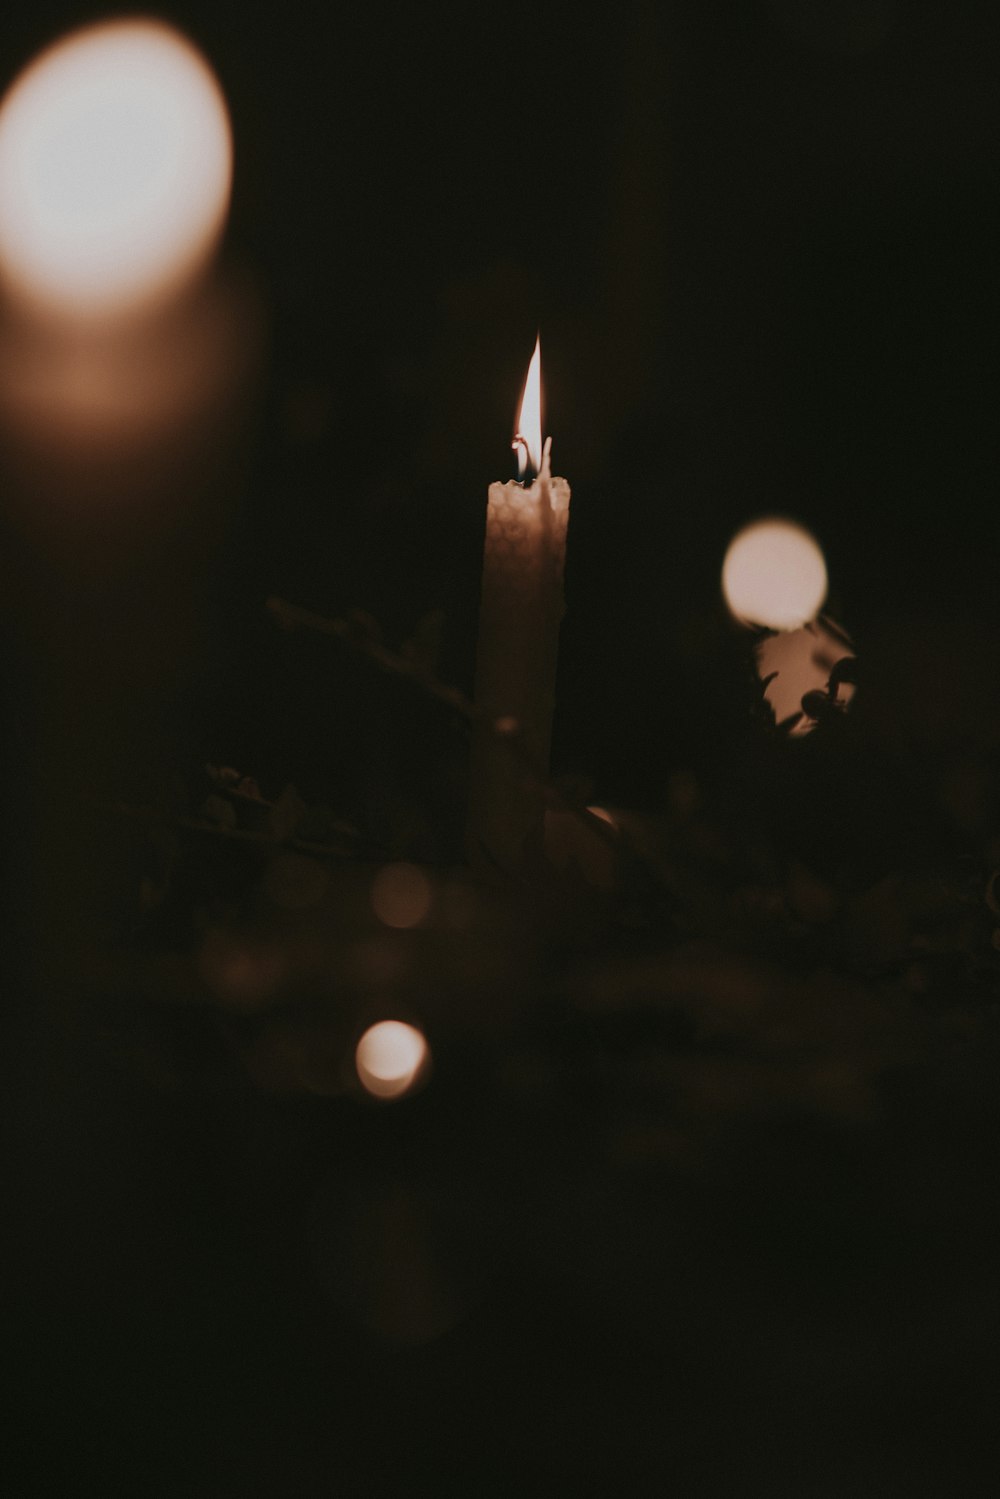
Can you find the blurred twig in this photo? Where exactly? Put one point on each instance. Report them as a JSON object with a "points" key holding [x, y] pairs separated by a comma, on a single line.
{"points": [[353, 634], [163, 817]]}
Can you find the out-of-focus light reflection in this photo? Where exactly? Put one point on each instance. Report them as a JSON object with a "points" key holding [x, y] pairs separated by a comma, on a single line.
{"points": [[774, 574], [796, 664], [244, 975], [389, 1058], [132, 385], [115, 170], [401, 895]]}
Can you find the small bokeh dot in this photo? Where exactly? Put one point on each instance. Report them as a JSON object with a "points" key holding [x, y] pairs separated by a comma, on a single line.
{"points": [[402, 895], [389, 1058]]}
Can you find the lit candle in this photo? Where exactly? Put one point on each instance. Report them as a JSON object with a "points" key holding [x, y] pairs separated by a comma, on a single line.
{"points": [[520, 613]]}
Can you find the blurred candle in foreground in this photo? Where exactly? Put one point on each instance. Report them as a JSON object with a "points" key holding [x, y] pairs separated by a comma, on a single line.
{"points": [[115, 176], [774, 575], [115, 171], [126, 366], [520, 614]]}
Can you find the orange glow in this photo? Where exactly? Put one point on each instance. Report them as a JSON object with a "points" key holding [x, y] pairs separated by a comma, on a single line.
{"points": [[389, 1058], [129, 382], [528, 433], [115, 171], [243, 975], [401, 895], [774, 575]]}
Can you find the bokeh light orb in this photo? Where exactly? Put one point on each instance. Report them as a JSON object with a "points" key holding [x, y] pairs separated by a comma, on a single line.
{"points": [[390, 1057], [402, 895], [115, 170], [774, 574]]}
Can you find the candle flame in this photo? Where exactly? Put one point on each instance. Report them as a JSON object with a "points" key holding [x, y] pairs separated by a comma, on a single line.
{"points": [[528, 434]]}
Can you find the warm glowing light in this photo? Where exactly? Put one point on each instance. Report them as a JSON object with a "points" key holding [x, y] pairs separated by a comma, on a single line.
{"points": [[115, 170], [401, 895], [528, 434], [241, 974], [389, 1058], [796, 666], [774, 575]]}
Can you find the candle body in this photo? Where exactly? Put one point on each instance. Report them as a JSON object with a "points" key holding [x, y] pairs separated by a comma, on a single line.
{"points": [[121, 462], [520, 613]]}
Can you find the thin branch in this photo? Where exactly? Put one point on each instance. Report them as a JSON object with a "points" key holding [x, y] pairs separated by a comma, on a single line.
{"points": [[291, 616], [161, 817]]}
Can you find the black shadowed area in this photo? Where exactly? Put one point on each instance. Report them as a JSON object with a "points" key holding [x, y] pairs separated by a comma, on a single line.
{"points": [[679, 1172]]}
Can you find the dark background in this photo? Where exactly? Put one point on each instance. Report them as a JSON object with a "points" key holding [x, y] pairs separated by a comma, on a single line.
{"points": [[760, 241]]}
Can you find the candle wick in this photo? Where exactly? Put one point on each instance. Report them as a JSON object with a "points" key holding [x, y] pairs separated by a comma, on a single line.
{"points": [[525, 473]]}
